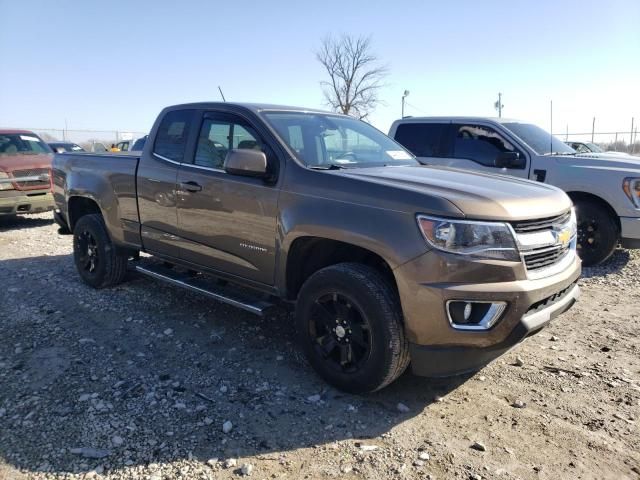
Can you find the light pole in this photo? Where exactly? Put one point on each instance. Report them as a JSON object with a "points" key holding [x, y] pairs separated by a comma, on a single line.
{"points": [[404, 95]]}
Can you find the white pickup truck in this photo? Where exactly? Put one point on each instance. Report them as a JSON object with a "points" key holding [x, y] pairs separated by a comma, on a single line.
{"points": [[605, 189]]}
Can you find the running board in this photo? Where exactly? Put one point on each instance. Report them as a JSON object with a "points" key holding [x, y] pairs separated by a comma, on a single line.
{"points": [[207, 287]]}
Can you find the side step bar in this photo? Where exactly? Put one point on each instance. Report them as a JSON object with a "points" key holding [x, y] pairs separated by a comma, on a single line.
{"points": [[207, 287]]}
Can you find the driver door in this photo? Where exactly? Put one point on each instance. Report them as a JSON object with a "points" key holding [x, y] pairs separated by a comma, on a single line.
{"points": [[477, 146], [227, 222]]}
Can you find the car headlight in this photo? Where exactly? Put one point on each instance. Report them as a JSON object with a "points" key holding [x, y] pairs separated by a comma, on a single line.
{"points": [[5, 181], [573, 223], [631, 187], [465, 237]]}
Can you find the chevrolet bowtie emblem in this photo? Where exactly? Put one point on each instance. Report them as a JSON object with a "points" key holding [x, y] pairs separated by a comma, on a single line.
{"points": [[563, 236]]}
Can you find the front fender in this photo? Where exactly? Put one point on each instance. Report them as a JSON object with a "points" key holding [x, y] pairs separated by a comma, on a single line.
{"points": [[391, 234]]}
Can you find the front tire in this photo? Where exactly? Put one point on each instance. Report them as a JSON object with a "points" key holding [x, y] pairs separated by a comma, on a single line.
{"points": [[598, 232], [97, 260], [350, 327]]}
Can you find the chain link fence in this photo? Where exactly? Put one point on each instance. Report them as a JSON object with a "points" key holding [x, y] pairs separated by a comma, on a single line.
{"points": [[87, 139], [627, 142]]}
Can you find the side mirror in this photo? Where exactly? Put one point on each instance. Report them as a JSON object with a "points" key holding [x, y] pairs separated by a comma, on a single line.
{"points": [[510, 160], [246, 162]]}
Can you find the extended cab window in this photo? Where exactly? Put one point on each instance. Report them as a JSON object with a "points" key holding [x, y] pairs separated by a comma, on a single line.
{"points": [[218, 135], [172, 135], [423, 139], [480, 144]]}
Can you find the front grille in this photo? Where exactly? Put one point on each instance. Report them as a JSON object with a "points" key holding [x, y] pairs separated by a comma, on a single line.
{"points": [[541, 224], [547, 302], [544, 257], [31, 184]]}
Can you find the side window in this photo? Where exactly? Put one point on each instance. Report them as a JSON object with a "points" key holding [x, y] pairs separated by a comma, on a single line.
{"points": [[218, 136], [172, 135], [480, 144], [423, 139]]}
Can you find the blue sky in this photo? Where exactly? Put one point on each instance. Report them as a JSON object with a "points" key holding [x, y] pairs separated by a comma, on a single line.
{"points": [[114, 65]]}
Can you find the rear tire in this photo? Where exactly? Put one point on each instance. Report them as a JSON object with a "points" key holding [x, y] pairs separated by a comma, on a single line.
{"points": [[598, 232], [350, 327], [97, 260]]}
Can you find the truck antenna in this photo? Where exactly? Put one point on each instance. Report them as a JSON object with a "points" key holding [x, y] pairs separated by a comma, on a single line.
{"points": [[221, 94]]}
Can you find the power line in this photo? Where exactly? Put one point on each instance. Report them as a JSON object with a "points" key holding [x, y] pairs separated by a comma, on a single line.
{"points": [[416, 108]]}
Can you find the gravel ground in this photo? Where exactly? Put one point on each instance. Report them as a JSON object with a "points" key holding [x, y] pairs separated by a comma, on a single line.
{"points": [[145, 381]]}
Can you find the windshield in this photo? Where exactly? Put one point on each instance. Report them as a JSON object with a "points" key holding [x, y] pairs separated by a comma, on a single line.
{"points": [[325, 141], [594, 148], [22, 144], [540, 141]]}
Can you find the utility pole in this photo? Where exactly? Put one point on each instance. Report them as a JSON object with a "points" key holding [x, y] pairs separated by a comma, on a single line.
{"points": [[593, 128], [498, 105], [551, 128], [566, 137], [404, 95], [631, 142]]}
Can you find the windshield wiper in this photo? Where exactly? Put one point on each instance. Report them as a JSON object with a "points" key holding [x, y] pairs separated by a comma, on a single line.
{"points": [[329, 166]]}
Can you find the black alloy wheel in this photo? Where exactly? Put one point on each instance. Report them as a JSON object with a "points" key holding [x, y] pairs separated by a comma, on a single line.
{"points": [[350, 327], [340, 332], [88, 251], [598, 232], [98, 261]]}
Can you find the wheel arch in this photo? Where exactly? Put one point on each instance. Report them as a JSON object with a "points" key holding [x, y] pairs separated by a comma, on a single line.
{"points": [[577, 196], [308, 254], [78, 206]]}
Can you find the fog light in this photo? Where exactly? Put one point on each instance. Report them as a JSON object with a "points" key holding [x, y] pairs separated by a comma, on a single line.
{"points": [[467, 312], [471, 315]]}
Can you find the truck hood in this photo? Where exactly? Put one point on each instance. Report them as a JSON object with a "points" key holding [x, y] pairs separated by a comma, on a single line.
{"points": [[602, 161], [9, 163], [607, 155], [477, 195]]}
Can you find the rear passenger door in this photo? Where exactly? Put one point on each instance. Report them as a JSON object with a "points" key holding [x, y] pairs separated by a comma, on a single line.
{"points": [[227, 222], [430, 142], [156, 182]]}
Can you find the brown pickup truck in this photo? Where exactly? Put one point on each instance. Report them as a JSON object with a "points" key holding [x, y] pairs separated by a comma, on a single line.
{"points": [[385, 262], [25, 171]]}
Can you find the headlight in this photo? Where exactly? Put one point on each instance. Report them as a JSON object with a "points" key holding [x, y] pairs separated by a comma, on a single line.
{"points": [[631, 187], [465, 237], [5, 181], [573, 223]]}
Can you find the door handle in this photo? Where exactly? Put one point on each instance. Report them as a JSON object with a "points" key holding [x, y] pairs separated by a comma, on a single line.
{"points": [[191, 186]]}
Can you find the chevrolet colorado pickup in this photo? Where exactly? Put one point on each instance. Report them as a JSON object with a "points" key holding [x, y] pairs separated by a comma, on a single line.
{"points": [[385, 261], [25, 171], [604, 187]]}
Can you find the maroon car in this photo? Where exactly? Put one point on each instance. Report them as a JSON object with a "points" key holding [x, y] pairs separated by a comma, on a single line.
{"points": [[25, 173]]}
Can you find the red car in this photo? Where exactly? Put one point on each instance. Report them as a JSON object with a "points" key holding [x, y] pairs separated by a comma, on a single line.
{"points": [[25, 173]]}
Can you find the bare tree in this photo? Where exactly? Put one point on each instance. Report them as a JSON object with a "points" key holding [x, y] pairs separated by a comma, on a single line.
{"points": [[355, 74]]}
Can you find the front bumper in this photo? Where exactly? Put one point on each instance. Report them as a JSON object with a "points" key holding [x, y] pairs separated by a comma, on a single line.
{"points": [[438, 349], [630, 232], [14, 202], [445, 361]]}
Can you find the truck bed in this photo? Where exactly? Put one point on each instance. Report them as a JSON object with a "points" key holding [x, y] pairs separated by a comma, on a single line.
{"points": [[111, 180]]}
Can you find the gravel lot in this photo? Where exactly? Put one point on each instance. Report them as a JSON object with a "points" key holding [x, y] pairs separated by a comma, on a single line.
{"points": [[140, 381]]}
